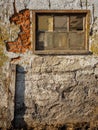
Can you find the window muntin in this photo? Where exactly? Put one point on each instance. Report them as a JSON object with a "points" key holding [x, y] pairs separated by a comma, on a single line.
{"points": [[61, 32]]}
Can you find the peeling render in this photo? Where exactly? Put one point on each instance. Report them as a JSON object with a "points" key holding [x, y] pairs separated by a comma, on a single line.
{"points": [[22, 43], [43, 92]]}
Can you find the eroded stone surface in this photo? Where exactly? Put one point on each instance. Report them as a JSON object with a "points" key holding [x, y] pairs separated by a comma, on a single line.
{"points": [[51, 96], [50, 90]]}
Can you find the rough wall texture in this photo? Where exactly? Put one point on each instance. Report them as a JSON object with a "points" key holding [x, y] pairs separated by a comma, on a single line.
{"points": [[23, 41], [56, 90], [51, 92]]}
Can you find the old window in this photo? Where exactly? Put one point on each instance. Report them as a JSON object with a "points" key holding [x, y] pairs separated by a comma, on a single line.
{"points": [[60, 32]]}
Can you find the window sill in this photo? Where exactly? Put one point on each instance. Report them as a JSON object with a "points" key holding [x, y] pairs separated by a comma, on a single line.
{"points": [[63, 52]]}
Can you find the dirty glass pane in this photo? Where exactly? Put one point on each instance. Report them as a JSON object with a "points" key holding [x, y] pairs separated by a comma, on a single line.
{"points": [[40, 41], [50, 23], [76, 40], [45, 23], [60, 23], [76, 22], [60, 40], [48, 41], [55, 41]]}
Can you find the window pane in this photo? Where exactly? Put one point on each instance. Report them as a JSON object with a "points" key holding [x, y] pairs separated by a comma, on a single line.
{"points": [[76, 40], [48, 41], [76, 22], [45, 23], [56, 40], [60, 23], [60, 40], [40, 41]]}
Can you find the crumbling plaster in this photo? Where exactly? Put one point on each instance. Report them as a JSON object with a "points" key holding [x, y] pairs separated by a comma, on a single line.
{"points": [[50, 90]]}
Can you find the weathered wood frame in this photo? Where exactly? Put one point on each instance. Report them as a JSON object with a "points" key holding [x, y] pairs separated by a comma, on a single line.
{"points": [[87, 26]]}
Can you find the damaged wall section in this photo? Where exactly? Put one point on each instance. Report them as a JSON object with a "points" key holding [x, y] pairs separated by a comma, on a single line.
{"points": [[52, 92], [22, 43]]}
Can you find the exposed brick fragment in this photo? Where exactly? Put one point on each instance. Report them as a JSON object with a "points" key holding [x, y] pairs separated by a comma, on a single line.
{"points": [[22, 43], [13, 60]]}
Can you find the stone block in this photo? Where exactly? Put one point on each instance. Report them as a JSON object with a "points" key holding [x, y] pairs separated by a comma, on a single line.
{"points": [[38, 4]]}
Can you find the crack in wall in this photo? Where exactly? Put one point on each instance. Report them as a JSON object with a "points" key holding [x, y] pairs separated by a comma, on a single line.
{"points": [[49, 4], [14, 7]]}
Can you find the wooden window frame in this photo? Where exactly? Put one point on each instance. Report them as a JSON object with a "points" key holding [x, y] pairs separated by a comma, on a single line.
{"points": [[87, 26]]}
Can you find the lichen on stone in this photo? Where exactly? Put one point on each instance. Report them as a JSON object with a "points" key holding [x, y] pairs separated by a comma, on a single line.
{"points": [[94, 45], [3, 37]]}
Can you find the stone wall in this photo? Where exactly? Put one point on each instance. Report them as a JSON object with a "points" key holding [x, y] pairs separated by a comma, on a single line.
{"points": [[48, 92], [56, 90]]}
